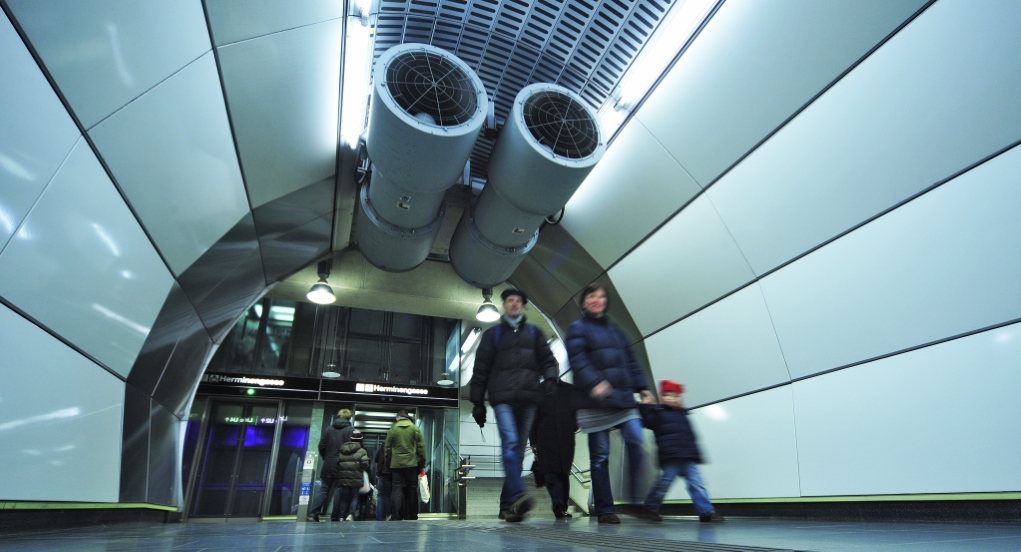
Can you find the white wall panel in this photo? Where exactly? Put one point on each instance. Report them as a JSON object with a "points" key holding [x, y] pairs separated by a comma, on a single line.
{"points": [[104, 53], [946, 263], [172, 153], [60, 419], [236, 20], [942, 419], [37, 131], [940, 95], [687, 263], [283, 91], [82, 266], [633, 189], [726, 349], [754, 65], [749, 447]]}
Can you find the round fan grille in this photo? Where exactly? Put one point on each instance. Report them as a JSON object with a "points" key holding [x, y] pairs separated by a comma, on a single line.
{"points": [[560, 122], [431, 88]]}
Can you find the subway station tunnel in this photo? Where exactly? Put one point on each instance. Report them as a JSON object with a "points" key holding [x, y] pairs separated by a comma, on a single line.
{"points": [[807, 212]]}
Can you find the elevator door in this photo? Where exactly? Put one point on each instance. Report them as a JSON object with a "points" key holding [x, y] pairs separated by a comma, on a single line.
{"points": [[236, 463]]}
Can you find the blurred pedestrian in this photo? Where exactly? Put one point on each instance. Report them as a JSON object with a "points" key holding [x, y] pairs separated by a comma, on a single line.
{"points": [[553, 445], [606, 377], [513, 366], [679, 455]]}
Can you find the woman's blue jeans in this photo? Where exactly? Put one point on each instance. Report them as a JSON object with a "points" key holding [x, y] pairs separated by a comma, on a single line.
{"points": [[599, 453]]}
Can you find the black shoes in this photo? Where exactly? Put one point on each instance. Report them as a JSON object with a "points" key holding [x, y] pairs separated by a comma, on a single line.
{"points": [[518, 510], [609, 518], [648, 514], [713, 517], [561, 514], [314, 517]]}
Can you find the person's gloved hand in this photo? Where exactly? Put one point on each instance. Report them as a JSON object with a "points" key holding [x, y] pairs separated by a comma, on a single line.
{"points": [[549, 385], [479, 413]]}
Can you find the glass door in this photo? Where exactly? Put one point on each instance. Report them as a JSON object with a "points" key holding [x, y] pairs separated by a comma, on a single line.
{"points": [[236, 463]]}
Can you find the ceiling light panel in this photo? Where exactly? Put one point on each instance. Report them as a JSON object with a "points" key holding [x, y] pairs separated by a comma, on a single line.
{"points": [[583, 46]]}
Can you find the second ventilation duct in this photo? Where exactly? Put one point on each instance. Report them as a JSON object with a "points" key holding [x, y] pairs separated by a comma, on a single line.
{"points": [[427, 110], [550, 143]]}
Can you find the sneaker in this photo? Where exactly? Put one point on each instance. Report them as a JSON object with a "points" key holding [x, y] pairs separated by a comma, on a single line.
{"points": [[349, 518], [562, 515], [646, 513], [713, 517], [503, 514], [313, 517], [609, 518], [518, 510]]}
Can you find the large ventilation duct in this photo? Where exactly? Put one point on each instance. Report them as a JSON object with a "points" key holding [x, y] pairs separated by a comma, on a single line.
{"points": [[548, 146], [427, 110]]}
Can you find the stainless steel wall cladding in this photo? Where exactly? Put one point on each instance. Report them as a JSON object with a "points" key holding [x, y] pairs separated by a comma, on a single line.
{"points": [[427, 110], [547, 147], [392, 247]]}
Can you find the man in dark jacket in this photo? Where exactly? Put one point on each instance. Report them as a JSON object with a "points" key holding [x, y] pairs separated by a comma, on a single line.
{"points": [[405, 454], [381, 470], [333, 438], [351, 464], [553, 444], [511, 358], [678, 453]]}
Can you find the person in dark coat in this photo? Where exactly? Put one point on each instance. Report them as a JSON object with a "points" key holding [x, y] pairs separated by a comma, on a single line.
{"points": [[351, 464], [333, 438], [678, 453], [553, 445], [383, 480], [606, 378], [511, 358]]}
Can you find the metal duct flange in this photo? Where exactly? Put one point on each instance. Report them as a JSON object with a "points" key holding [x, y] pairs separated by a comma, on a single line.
{"points": [[397, 204], [502, 223], [427, 110], [391, 247], [480, 262], [550, 143]]}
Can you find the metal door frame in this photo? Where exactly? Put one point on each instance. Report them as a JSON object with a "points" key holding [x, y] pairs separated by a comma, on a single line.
{"points": [[198, 462]]}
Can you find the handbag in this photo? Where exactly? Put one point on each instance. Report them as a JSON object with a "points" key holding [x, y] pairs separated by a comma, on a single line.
{"points": [[423, 488]]}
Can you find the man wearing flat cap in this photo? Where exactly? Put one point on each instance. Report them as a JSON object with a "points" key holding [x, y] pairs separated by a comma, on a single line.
{"points": [[515, 367]]}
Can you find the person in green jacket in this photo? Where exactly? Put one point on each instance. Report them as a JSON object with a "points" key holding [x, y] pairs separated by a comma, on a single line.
{"points": [[405, 454]]}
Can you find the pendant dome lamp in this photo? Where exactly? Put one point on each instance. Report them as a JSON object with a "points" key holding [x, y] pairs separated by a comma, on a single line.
{"points": [[487, 312], [321, 292]]}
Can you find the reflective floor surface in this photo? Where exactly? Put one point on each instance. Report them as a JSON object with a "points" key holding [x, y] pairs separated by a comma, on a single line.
{"points": [[676, 534]]}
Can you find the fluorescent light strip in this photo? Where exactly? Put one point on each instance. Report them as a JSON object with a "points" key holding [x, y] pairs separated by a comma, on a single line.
{"points": [[357, 64]]}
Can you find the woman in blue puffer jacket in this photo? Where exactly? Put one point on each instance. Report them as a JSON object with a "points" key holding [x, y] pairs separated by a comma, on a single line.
{"points": [[606, 377]]}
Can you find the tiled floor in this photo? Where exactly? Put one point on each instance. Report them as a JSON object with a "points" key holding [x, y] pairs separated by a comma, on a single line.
{"points": [[538, 534]]}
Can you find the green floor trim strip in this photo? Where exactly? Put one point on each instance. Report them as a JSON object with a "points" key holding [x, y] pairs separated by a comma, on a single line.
{"points": [[83, 506], [862, 498]]}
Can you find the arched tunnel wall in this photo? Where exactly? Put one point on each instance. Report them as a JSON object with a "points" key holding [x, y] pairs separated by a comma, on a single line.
{"points": [[811, 223]]}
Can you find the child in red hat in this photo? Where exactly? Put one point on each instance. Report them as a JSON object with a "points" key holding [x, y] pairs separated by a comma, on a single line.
{"points": [[678, 453]]}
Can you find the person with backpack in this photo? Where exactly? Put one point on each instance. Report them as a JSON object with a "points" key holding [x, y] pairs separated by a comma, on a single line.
{"points": [[511, 359], [351, 465]]}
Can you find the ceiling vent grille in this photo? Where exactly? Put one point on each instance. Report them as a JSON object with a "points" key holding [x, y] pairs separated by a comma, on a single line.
{"points": [[583, 45], [562, 124], [431, 89]]}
